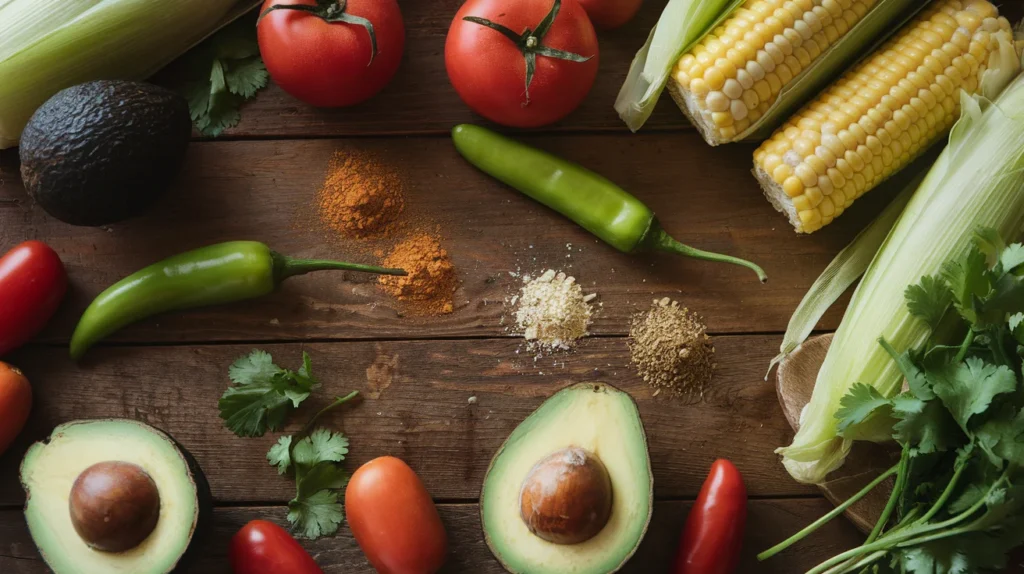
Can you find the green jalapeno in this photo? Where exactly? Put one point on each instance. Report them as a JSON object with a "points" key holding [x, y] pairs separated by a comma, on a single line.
{"points": [[222, 273], [592, 201]]}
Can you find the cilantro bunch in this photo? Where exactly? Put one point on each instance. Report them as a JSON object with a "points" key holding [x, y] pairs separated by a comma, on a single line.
{"points": [[957, 505], [263, 398]]}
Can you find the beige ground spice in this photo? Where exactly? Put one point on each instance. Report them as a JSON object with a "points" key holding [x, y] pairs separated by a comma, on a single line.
{"points": [[553, 312], [671, 348], [360, 197], [429, 289]]}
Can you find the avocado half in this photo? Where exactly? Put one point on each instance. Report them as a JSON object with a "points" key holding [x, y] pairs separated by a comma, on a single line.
{"points": [[51, 467], [602, 420]]}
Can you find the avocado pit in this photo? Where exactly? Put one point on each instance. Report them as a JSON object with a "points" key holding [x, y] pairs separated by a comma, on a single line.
{"points": [[114, 506], [567, 497]]}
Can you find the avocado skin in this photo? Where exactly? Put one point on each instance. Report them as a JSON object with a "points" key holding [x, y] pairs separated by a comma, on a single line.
{"points": [[102, 152]]}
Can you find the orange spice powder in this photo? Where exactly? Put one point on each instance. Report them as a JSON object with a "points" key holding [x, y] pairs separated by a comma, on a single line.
{"points": [[359, 197], [429, 289]]}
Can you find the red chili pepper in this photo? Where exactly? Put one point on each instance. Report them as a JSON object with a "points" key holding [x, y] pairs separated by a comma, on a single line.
{"points": [[713, 536], [32, 285]]}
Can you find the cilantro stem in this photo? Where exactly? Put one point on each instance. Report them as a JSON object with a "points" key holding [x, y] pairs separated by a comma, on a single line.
{"points": [[946, 493], [907, 538], [897, 491], [851, 565], [964, 346], [824, 519]]}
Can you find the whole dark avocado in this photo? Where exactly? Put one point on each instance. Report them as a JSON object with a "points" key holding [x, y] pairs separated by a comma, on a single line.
{"points": [[104, 151]]}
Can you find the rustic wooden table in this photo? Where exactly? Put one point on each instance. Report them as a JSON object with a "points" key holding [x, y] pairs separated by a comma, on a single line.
{"points": [[417, 375]]}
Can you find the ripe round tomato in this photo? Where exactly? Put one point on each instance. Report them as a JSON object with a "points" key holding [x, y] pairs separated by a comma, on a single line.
{"points": [[324, 58], [32, 285], [15, 404], [489, 70], [262, 547], [610, 14], [394, 520]]}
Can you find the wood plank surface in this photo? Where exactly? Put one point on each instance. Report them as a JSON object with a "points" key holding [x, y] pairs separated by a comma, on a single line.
{"points": [[768, 522], [416, 407], [266, 191]]}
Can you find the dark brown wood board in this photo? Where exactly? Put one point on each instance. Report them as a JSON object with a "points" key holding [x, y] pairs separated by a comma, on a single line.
{"points": [[417, 375]]}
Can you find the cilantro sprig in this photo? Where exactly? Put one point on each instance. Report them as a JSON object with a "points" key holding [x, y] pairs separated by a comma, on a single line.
{"points": [[957, 505], [264, 394], [220, 74], [314, 458]]}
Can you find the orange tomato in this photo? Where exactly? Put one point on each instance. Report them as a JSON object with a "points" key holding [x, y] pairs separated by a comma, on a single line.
{"points": [[394, 519], [15, 404]]}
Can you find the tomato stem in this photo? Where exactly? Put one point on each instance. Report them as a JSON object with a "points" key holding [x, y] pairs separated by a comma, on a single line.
{"points": [[529, 43], [331, 11]]}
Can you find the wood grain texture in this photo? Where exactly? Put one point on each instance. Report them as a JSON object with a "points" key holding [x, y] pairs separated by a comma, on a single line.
{"points": [[416, 407], [768, 522], [266, 191]]}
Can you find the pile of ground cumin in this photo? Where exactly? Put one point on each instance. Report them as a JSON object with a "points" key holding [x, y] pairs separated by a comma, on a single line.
{"points": [[359, 198], [429, 288], [671, 349]]}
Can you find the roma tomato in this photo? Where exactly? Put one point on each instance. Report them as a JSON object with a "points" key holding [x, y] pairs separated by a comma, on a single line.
{"points": [[331, 53], [522, 63], [610, 14], [32, 285], [394, 520], [262, 547], [15, 404], [713, 535]]}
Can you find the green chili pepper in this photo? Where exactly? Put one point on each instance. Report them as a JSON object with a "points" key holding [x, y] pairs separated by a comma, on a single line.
{"points": [[592, 201], [222, 273]]}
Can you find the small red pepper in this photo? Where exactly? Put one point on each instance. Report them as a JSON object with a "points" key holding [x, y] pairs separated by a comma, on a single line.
{"points": [[713, 536], [32, 285]]}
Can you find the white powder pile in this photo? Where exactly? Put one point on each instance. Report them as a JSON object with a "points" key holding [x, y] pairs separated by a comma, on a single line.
{"points": [[553, 313]]}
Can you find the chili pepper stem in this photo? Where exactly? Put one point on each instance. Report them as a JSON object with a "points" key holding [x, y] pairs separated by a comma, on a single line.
{"points": [[285, 267], [662, 241]]}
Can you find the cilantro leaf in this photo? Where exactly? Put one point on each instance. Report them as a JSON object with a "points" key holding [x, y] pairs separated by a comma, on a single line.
{"points": [[321, 445], [317, 515], [1002, 437], [929, 300], [1016, 325], [916, 379], [859, 404], [256, 367], [924, 425], [220, 74], [322, 476], [968, 389], [1012, 257], [264, 396], [247, 77], [967, 280], [280, 456]]}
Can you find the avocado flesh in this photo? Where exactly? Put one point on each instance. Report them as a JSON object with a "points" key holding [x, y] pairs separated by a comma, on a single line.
{"points": [[598, 418], [51, 467]]}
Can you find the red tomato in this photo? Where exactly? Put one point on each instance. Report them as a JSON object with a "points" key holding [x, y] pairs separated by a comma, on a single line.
{"points": [[610, 14], [713, 536], [15, 404], [488, 69], [328, 64], [262, 547], [394, 520], [32, 285]]}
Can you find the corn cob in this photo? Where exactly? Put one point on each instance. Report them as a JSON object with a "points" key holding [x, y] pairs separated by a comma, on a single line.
{"points": [[884, 113], [731, 79]]}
